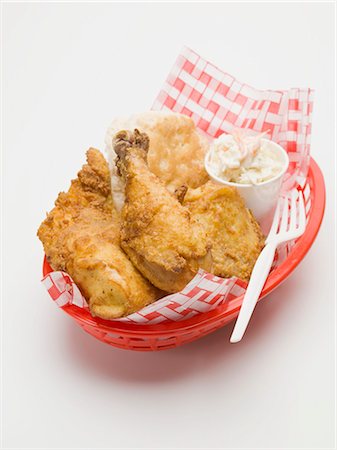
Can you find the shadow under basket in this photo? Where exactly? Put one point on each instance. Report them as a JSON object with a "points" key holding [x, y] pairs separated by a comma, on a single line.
{"points": [[173, 334]]}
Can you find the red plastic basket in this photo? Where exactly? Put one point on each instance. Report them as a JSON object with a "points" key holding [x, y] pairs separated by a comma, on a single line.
{"points": [[169, 335]]}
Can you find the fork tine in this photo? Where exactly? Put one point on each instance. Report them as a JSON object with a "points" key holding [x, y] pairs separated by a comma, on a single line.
{"points": [[284, 220], [293, 209], [276, 220]]}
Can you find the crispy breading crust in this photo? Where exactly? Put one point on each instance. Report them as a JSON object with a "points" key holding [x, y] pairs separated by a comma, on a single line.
{"points": [[81, 236], [159, 235], [236, 237]]}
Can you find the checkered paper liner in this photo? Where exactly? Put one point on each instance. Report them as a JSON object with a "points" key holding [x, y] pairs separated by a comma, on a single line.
{"points": [[217, 103]]}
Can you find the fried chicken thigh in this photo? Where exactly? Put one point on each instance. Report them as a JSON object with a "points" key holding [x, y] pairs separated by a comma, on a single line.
{"points": [[158, 234], [235, 235], [81, 236]]}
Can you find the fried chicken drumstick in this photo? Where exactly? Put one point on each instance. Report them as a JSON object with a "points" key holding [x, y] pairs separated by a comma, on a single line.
{"points": [[158, 234], [81, 236]]}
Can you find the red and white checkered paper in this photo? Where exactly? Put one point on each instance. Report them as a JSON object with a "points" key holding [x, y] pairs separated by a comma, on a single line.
{"points": [[217, 103]]}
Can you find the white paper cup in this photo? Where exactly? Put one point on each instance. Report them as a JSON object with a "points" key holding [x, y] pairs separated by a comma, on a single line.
{"points": [[260, 198]]}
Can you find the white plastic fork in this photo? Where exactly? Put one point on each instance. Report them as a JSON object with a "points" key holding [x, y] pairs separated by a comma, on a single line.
{"points": [[292, 226]]}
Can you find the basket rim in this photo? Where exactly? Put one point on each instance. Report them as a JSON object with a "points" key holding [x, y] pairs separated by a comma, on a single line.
{"points": [[203, 320]]}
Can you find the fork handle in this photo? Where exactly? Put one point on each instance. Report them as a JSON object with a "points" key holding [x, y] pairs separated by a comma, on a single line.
{"points": [[256, 283]]}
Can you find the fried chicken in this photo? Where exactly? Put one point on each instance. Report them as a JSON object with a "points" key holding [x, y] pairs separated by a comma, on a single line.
{"points": [[159, 235], [81, 236], [235, 235]]}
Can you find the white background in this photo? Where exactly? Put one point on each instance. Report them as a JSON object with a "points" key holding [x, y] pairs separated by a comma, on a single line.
{"points": [[68, 69]]}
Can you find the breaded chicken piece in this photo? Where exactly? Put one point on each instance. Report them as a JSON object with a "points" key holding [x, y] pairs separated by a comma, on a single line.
{"points": [[236, 237], [159, 235], [81, 236]]}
